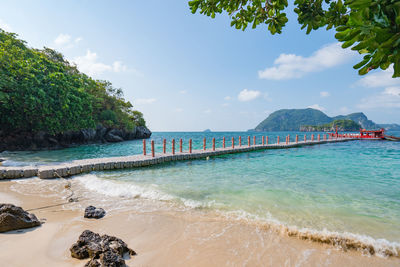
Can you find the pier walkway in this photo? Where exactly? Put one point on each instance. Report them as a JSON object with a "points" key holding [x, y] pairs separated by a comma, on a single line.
{"points": [[99, 164]]}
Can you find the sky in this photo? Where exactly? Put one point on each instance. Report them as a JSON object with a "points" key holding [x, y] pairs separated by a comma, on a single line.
{"points": [[188, 72]]}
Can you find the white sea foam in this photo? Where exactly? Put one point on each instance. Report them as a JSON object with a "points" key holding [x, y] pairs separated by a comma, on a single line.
{"points": [[112, 188], [121, 189], [344, 240]]}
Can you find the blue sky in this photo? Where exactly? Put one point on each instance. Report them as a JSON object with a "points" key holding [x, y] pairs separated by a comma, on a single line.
{"points": [[189, 72]]}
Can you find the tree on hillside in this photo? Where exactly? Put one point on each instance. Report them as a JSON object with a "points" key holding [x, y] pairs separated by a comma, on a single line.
{"points": [[370, 27], [41, 91]]}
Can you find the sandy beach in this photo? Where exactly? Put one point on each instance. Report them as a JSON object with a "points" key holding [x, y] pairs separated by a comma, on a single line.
{"points": [[161, 237]]}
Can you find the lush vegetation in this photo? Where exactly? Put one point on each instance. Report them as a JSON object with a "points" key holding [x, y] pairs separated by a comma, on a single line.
{"points": [[371, 27], [360, 118], [41, 91], [292, 119], [342, 125]]}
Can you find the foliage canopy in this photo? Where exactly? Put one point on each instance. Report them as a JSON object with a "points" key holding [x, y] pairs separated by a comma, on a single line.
{"points": [[41, 91], [370, 27], [343, 124]]}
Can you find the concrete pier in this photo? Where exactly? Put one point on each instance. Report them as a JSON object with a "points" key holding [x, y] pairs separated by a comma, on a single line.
{"points": [[75, 167]]}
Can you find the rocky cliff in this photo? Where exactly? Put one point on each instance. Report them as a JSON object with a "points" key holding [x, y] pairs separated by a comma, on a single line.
{"points": [[43, 140]]}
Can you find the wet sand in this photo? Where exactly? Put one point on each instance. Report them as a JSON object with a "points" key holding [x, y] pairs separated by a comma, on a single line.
{"points": [[160, 237]]}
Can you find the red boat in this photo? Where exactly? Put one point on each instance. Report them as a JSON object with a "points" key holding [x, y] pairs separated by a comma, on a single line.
{"points": [[364, 134]]}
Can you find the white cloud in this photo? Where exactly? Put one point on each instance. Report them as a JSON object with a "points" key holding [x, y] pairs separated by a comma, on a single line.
{"points": [[227, 98], [118, 66], [5, 26], [183, 92], [66, 41], [248, 95], [344, 110], [89, 65], [207, 111], [381, 78], [388, 98], [316, 106], [62, 39], [324, 94], [291, 66], [144, 101], [225, 104]]}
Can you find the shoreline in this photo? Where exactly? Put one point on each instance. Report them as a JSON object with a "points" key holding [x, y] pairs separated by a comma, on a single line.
{"points": [[161, 237]]}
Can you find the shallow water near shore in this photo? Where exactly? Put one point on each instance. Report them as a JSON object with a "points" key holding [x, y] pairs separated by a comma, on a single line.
{"points": [[347, 190]]}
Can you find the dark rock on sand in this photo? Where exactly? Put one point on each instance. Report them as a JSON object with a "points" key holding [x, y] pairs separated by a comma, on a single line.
{"points": [[102, 250], [95, 213], [14, 218]]}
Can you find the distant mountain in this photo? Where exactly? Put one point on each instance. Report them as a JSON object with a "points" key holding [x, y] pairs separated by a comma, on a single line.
{"points": [[342, 126], [390, 127], [360, 118], [293, 119]]}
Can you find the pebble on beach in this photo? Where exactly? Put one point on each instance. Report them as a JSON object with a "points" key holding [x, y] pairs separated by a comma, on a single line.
{"points": [[92, 212]]}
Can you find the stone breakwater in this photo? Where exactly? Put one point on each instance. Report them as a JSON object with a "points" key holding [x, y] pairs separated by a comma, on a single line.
{"points": [[76, 167]]}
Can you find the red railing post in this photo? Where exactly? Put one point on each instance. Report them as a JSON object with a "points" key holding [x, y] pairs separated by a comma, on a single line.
{"points": [[240, 141], [266, 141], [144, 147], [248, 140], [213, 144], [180, 145], [254, 140], [277, 140], [233, 142], [319, 137], [223, 142], [164, 146], [312, 137], [263, 140], [204, 144], [190, 146], [297, 138], [152, 148], [173, 146]]}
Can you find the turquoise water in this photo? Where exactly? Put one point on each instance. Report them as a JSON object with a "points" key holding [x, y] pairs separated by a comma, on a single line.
{"points": [[351, 187]]}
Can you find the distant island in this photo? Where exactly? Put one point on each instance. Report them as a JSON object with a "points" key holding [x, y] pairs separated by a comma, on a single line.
{"points": [[340, 125], [47, 103], [207, 131], [315, 120]]}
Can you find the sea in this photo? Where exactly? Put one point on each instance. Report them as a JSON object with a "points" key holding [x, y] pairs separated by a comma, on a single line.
{"points": [[336, 191]]}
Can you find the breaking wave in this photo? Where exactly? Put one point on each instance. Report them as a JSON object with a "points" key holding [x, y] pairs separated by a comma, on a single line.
{"points": [[345, 241]]}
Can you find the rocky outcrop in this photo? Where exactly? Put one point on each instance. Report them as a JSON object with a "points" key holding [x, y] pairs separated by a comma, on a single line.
{"points": [[101, 250], [43, 140], [14, 218], [92, 212]]}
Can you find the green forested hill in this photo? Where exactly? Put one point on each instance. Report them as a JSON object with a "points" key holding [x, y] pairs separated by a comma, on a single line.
{"points": [[360, 118], [41, 91], [342, 125], [292, 119]]}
